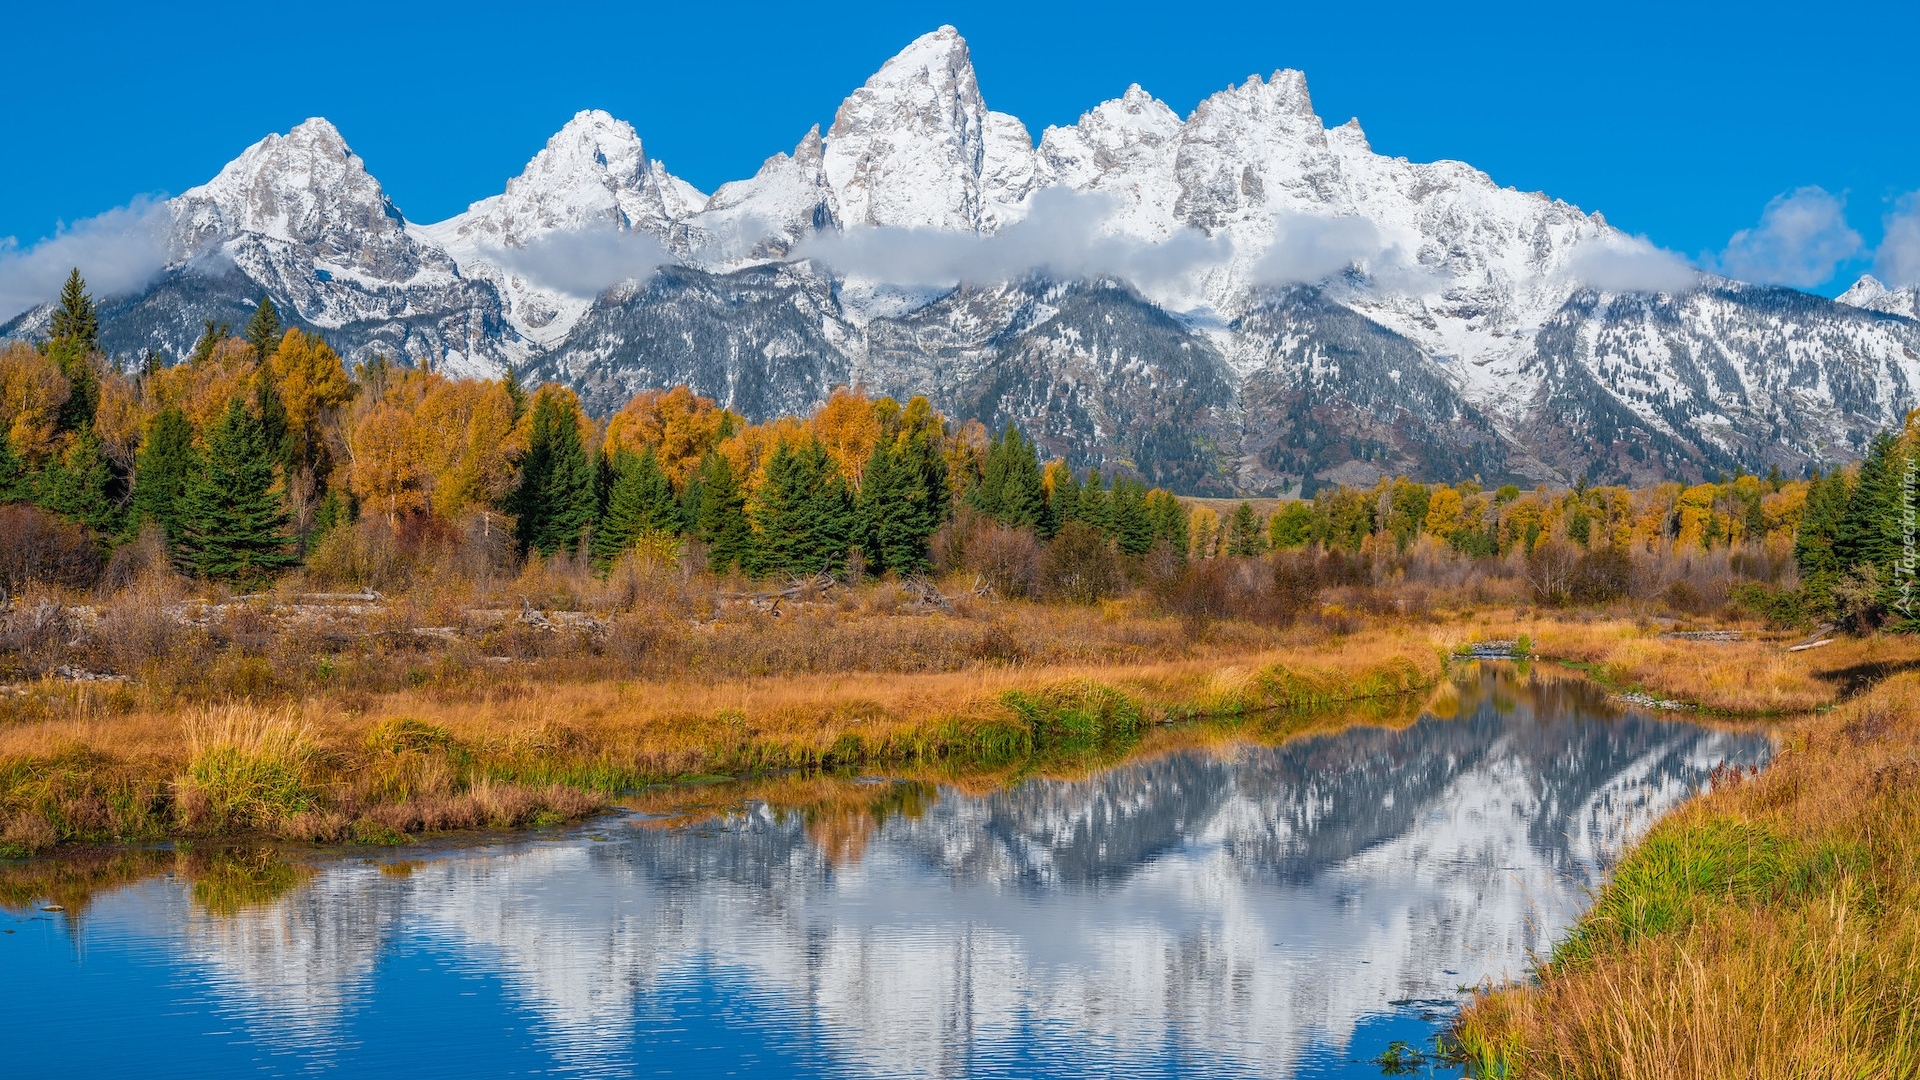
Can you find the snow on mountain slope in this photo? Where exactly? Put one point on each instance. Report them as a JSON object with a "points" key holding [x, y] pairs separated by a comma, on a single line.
{"points": [[302, 218], [1242, 299], [592, 177], [916, 147], [1870, 295]]}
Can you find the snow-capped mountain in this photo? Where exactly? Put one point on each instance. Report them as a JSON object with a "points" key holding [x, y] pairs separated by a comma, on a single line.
{"points": [[1869, 294], [1241, 300]]}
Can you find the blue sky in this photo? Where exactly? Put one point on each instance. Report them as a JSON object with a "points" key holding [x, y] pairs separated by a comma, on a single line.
{"points": [[1680, 122]]}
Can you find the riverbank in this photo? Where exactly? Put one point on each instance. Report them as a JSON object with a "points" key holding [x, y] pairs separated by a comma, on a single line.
{"points": [[391, 740], [517, 749], [1768, 928]]}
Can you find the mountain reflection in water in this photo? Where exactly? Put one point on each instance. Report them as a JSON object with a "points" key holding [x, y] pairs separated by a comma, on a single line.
{"points": [[1233, 910]]}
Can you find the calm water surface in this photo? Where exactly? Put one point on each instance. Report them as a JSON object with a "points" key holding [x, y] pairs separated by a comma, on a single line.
{"points": [[1243, 911]]}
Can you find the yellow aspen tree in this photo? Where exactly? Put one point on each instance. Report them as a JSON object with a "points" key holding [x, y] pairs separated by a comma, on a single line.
{"points": [[202, 390], [311, 382], [118, 420], [1443, 512], [32, 390], [679, 426], [387, 472], [848, 427], [467, 444]]}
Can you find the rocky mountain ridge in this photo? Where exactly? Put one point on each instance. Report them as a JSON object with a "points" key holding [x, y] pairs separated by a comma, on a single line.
{"points": [[1242, 300]]}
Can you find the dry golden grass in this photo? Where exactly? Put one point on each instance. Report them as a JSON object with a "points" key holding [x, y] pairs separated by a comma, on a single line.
{"points": [[1770, 928]]}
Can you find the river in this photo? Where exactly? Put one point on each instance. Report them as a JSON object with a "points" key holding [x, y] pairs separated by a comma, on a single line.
{"points": [[1221, 909]]}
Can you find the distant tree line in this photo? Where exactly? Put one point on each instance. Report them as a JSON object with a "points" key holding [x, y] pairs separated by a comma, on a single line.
{"points": [[257, 445]]}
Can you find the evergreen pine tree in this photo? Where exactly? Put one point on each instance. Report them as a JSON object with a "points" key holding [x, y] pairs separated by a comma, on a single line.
{"points": [[263, 330], [167, 462], [515, 393], [75, 338], [281, 442], [803, 514], [15, 484], [1813, 544], [1096, 507], [1133, 525], [1063, 502], [209, 337], [722, 524], [74, 485], [1169, 520], [76, 319], [895, 521], [1009, 490], [1244, 537], [1867, 535], [640, 502], [555, 500], [232, 526]]}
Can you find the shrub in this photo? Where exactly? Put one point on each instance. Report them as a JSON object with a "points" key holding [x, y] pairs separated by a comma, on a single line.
{"points": [[1081, 564], [37, 547]]}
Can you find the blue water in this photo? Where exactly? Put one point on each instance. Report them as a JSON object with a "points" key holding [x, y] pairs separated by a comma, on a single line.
{"points": [[1257, 911]]}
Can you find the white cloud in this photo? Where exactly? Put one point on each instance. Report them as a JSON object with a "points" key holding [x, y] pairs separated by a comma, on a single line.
{"points": [[1308, 248], [1618, 263], [1062, 235], [1802, 237], [1898, 260], [584, 264], [117, 252]]}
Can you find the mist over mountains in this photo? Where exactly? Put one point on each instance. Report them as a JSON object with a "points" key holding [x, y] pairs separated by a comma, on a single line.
{"points": [[1243, 300]]}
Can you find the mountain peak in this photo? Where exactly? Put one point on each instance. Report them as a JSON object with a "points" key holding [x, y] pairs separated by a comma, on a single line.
{"points": [[1870, 294], [907, 148]]}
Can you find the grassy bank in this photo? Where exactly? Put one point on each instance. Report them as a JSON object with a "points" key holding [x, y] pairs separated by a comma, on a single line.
{"points": [[1770, 928], [519, 750]]}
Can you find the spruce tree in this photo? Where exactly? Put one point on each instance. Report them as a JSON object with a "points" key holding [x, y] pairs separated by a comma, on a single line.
{"points": [[167, 463], [232, 526], [1867, 535], [210, 337], [1244, 537], [640, 502], [1063, 503], [895, 522], [1132, 524], [1813, 544], [803, 514], [1169, 521], [1010, 491], [263, 330], [75, 484], [555, 500], [75, 338], [722, 524], [76, 319], [1096, 507]]}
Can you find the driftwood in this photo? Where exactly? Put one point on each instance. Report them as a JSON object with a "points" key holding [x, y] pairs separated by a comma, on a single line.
{"points": [[1814, 640]]}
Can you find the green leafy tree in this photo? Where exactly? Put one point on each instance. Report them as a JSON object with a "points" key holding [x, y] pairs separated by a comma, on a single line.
{"points": [[166, 464], [722, 523], [640, 502], [1292, 527], [803, 514], [232, 526], [263, 330], [1010, 491], [555, 500]]}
